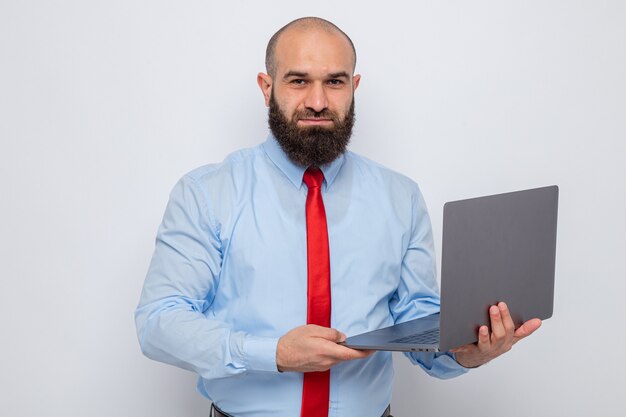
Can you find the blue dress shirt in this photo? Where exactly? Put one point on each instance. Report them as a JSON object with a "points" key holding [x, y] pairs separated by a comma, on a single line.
{"points": [[229, 277]]}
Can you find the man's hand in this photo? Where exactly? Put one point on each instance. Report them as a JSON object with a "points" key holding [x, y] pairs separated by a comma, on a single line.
{"points": [[503, 337], [314, 348]]}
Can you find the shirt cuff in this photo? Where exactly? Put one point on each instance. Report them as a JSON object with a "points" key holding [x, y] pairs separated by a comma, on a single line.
{"points": [[259, 353], [442, 365], [450, 359]]}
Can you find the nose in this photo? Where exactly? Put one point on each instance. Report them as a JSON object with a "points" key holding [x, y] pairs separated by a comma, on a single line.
{"points": [[316, 99]]}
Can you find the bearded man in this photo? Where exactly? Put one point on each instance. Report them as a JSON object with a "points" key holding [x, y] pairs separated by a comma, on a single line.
{"points": [[264, 262]]}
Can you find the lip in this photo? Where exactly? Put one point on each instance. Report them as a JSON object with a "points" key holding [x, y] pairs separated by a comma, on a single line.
{"points": [[314, 122]]}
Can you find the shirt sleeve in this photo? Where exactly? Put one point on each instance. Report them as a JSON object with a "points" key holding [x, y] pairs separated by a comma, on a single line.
{"points": [[418, 292], [171, 318]]}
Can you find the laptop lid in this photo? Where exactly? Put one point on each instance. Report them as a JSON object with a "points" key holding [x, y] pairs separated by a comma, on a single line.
{"points": [[495, 248]]}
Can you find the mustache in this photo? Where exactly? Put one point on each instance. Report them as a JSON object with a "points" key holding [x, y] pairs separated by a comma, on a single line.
{"points": [[312, 114]]}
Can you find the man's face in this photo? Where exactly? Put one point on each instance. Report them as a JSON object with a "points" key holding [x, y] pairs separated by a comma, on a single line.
{"points": [[311, 96]]}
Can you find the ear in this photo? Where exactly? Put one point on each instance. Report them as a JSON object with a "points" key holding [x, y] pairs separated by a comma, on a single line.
{"points": [[356, 79], [265, 84]]}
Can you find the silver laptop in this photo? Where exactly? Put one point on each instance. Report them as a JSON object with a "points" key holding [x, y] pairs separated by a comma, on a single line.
{"points": [[495, 248]]}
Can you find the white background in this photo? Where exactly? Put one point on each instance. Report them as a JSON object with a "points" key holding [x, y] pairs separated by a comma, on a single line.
{"points": [[105, 104]]}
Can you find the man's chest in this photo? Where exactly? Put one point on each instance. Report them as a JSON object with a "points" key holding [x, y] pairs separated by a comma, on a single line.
{"points": [[264, 259]]}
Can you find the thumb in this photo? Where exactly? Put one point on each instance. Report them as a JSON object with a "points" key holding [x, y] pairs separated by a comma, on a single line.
{"points": [[527, 329]]}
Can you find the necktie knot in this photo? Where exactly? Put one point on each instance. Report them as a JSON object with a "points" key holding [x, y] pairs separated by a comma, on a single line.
{"points": [[313, 177]]}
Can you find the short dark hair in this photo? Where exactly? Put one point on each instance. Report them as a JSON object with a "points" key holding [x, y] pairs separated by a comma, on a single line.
{"points": [[302, 23]]}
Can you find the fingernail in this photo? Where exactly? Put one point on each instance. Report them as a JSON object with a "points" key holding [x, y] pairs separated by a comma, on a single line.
{"points": [[493, 310]]}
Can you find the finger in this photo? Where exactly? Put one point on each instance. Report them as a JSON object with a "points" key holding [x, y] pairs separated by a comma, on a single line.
{"points": [[340, 337], [484, 343], [337, 353], [327, 333], [507, 320], [349, 354], [497, 328], [526, 329]]}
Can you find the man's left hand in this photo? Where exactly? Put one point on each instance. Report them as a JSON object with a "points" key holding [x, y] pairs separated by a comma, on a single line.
{"points": [[502, 338]]}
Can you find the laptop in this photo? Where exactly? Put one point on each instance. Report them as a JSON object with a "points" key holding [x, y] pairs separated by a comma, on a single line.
{"points": [[495, 248]]}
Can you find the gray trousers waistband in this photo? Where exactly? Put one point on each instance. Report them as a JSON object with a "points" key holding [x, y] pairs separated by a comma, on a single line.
{"points": [[216, 412]]}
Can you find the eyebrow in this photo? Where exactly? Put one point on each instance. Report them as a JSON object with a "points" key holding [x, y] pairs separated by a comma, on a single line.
{"points": [[340, 74], [295, 74], [300, 74]]}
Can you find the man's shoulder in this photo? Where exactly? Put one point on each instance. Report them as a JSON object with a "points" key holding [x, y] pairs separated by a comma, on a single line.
{"points": [[366, 167], [236, 163]]}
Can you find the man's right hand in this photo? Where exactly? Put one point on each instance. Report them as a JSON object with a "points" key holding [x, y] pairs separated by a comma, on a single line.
{"points": [[312, 348]]}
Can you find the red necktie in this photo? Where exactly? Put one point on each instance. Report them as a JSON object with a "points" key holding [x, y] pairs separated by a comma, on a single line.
{"points": [[316, 386]]}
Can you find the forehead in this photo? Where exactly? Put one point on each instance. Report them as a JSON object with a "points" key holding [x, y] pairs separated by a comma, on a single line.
{"points": [[313, 50]]}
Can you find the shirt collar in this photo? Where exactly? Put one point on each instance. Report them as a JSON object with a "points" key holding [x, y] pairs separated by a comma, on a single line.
{"points": [[295, 172]]}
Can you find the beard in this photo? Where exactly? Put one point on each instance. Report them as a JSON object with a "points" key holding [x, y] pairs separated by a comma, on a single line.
{"points": [[314, 145]]}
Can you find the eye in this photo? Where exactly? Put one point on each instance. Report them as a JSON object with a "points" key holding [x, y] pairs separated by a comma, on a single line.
{"points": [[335, 82], [298, 81]]}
